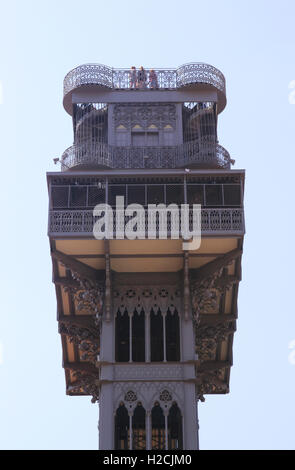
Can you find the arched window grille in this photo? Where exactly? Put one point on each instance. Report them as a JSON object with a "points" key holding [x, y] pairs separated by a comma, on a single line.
{"points": [[138, 428], [158, 428], [165, 431], [122, 431], [147, 336], [175, 439]]}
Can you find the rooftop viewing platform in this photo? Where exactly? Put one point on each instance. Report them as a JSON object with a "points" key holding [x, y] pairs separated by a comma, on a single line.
{"points": [[193, 75]]}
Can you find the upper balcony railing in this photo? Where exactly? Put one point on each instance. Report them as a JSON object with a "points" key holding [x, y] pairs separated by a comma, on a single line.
{"points": [[192, 154], [120, 79], [81, 222]]}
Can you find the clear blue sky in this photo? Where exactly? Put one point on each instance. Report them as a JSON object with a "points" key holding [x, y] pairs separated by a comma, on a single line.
{"points": [[252, 43]]}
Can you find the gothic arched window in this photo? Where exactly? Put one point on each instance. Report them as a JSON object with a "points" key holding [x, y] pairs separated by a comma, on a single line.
{"points": [[138, 428], [172, 336], [122, 432], [157, 344], [122, 337], [174, 428], [138, 339], [158, 428]]}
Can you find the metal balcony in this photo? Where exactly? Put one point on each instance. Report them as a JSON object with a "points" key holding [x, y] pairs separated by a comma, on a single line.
{"points": [[68, 223], [192, 154], [102, 75]]}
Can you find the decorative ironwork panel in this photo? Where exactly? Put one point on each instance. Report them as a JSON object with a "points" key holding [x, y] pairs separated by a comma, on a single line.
{"points": [[82, 221], [199, 153]]}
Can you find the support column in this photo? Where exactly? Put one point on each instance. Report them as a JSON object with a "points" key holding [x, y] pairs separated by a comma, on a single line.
{"points": [[106, 418], [190, 429], [148, 430], [166, 430]]}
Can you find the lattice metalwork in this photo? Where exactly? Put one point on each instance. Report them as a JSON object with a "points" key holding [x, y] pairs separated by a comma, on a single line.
{"points": [[82, 221]]}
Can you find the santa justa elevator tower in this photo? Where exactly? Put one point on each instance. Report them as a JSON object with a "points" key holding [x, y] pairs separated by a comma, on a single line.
{"points": [[146, 326]]}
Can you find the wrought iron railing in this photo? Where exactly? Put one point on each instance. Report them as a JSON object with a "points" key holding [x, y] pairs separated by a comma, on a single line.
{"points": [[66, 222], [187, 74], [204, 154]]}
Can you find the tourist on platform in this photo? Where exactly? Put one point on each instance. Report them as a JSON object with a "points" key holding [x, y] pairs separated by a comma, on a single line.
{"points": [[141, 78], [153, 79], [133, 77]]}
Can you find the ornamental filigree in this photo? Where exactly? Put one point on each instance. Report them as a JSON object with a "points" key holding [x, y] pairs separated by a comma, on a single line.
{"points": [[87, 383], [144, 115], [145, 299], [130, 396], [88, 294], [87, 339], [165, 396], [210, 383], [208, 337], [206, 293]]}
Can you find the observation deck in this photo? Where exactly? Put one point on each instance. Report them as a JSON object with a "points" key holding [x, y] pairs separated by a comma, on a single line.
{"points": [[199, 76]]}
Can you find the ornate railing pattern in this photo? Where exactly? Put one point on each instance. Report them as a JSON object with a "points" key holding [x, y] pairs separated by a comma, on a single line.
{"points": [[82, 221], [204, 154], [187, 74]]}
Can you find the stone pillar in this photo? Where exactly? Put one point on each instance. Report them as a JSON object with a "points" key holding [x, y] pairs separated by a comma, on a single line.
{"points": [[106, 418], [106, 401]]}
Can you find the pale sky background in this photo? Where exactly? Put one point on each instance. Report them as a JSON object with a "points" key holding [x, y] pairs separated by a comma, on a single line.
{"points": [[253, 44]]}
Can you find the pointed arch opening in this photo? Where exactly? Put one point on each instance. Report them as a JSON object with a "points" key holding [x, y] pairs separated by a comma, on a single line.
{"points": [[157, 344], [138, 337], [172, 336], [122, 337], [138, 428], [122, 431], [175, 439], [158, 428]]}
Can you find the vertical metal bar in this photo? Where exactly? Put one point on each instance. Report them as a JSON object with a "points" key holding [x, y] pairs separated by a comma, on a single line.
{"points": [[164, 336], [148, 430]]}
